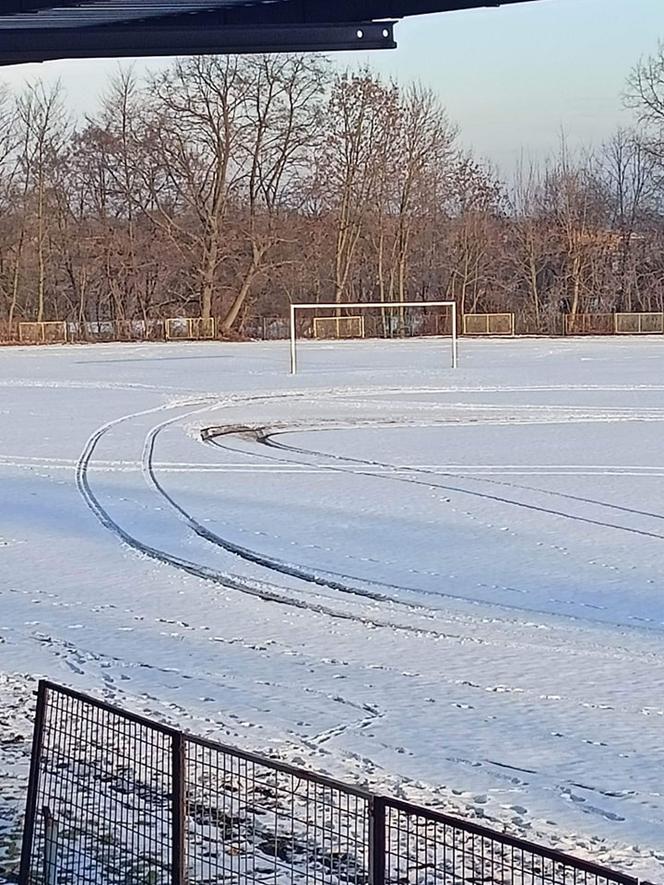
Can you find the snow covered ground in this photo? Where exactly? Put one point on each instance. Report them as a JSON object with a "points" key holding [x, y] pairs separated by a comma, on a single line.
{"points": [[443, 584]]}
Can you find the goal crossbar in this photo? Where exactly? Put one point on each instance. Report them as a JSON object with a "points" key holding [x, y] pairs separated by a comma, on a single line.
{"points": [[369, 305]]}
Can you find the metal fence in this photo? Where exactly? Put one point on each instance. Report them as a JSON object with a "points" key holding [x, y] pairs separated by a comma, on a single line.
{"points": [[118, 798], [388, 323], [488, 324], [589, 324], [639, 323]]}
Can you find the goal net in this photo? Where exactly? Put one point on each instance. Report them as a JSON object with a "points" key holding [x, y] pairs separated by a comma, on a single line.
{"points": [[373, 319]]}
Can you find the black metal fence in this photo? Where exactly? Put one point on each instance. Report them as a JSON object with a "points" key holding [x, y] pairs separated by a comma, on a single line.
{"points": [[118, 799]]}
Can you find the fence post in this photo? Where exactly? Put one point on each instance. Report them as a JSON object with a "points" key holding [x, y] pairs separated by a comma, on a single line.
{"points": [[50, 848], [377, 841], [178, 809], [33, 784]]}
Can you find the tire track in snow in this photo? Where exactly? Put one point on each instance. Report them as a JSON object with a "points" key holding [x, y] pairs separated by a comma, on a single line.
{"points": [[437, 594], [261, 590], [389, 472], [322, 577], [268, 439]]}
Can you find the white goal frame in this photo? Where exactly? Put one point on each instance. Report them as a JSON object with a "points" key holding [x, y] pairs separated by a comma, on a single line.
{"points": [[370, 305]]}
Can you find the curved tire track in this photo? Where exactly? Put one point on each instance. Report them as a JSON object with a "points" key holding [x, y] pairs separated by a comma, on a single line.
{"points": [[268, 439], [260, 590]]}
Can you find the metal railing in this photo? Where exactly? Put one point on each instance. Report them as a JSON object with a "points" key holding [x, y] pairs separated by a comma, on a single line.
{"points": [[497, 324], [419, 322], [639, 323], [115, 797], [589, 324]]}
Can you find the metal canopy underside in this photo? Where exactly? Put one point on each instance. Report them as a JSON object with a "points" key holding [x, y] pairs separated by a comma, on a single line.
{"points": [[37, 30]]}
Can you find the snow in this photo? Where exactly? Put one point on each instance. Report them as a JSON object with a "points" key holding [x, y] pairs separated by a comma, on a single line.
{"points": [[444, 584]]}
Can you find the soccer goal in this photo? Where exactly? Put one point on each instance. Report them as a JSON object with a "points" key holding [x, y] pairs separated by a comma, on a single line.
{"points": [[374, 319]]}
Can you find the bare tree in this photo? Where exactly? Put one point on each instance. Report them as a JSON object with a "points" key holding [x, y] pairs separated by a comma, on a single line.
{"points": [[628, 169], [192, 136], [229, 186], [477, 197], [8, 168], [283, 120], [43, 129], [645, 93], [425, 138], [362, 116], [531, 239]]}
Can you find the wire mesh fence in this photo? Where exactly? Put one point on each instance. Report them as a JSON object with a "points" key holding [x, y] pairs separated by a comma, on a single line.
{"points": [[103, 794], [589, 324], [249, 821], [422, 846], [639, 323], [488, 324], [389, 322], [115, 798], [189, 328], [338, 327], [42, 333]]}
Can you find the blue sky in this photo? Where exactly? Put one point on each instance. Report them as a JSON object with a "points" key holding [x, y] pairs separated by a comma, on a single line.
{"points": [[512, 78]]}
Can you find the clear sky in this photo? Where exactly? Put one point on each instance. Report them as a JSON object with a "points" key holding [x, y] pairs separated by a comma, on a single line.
{"points": [[512, 78]]}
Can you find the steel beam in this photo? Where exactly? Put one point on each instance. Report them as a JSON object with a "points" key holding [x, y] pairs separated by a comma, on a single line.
{"points": [[176, 37]]}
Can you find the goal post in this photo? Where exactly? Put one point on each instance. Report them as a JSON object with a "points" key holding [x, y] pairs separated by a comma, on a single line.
{"points": [[368, 306]]}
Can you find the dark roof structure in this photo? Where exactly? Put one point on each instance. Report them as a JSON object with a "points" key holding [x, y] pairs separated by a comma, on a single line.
{"points": [[38, 30]]}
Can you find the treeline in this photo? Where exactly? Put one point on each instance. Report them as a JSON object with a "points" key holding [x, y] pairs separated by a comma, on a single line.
{"points": [[227, 187]]}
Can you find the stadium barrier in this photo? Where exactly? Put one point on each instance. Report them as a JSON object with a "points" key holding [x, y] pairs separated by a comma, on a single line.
{"points": [[386, 324], [140, 330], [338, 327], [270, 328], [488, 324], [61, 332], [103, 330], [42, 333], [9, 333], [641, 323], [589, 324], [115, 797], [189, 328]]}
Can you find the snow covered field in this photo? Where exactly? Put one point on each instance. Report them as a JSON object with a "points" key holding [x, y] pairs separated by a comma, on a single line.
{"points": [[444, 584]]}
